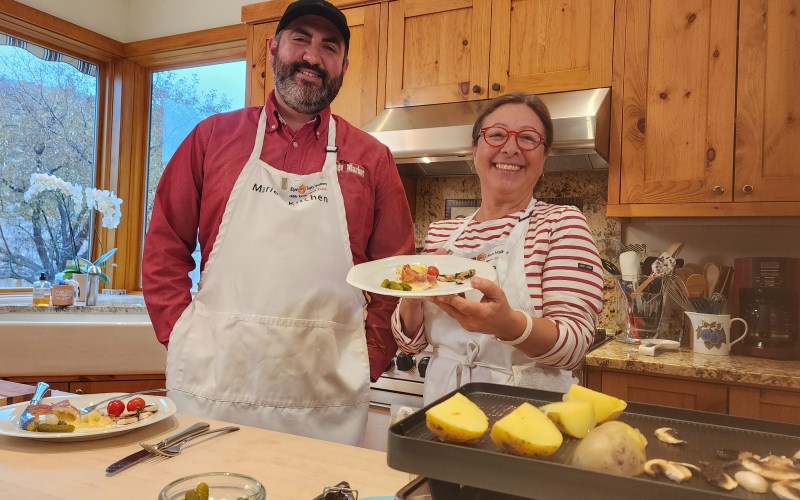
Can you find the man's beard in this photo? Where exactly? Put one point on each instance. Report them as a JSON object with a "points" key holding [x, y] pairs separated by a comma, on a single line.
{"points": [[305, 97]]}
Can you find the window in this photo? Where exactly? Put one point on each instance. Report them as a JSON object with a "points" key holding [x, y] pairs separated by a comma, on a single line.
{"points": [[180, 99], [48, 125]]}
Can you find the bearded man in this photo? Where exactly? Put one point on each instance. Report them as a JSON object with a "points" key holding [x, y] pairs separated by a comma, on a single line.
{"points": [[284, 199]]}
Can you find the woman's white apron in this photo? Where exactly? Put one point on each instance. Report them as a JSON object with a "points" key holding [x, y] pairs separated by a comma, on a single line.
{"points": [[461, 356], [275, 336]]}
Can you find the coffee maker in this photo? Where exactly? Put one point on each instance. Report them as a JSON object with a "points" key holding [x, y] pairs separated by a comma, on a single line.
{"points": [[766, 295]]}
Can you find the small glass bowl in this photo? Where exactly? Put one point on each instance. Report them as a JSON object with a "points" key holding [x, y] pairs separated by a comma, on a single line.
{"points": [[221, 486]]}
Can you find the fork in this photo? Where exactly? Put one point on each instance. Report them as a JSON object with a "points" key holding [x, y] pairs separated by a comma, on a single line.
{"points": [[89, 408], [175, 449]]}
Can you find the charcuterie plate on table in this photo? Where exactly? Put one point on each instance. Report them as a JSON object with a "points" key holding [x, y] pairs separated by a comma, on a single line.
{"points": [[369, 275], [9, 418]]}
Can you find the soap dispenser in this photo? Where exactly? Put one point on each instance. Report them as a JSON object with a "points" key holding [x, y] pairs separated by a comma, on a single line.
{"points": [[41, 291]]}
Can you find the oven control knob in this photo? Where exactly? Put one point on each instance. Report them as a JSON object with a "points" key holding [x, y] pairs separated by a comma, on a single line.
{"points": [[389, 366], [405, 362], [422, 366]]}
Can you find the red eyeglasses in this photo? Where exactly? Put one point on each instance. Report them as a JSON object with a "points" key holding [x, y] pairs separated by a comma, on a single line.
{"points": [[527, 140]]}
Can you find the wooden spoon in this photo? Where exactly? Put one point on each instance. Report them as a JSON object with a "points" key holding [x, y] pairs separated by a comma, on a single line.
{"points": [[711, 272], [696, 284]]}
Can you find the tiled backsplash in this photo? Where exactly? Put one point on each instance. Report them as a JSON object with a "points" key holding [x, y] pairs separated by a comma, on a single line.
{"points": [[591, 187]]}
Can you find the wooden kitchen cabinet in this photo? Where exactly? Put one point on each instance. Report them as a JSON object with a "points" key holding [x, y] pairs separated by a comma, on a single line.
{"points": [[768, 112], [357, 101], [705, 127], [462, 50], [91, 384], [765, 403], [662, 391]]}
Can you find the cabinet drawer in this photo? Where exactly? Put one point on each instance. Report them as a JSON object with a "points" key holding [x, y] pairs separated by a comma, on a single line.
{"points": [[664, 391]]}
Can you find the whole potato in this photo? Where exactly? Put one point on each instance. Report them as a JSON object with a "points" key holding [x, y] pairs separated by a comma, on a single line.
{"points": [[614, 447]]}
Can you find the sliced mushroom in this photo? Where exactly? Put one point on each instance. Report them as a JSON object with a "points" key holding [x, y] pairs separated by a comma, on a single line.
{"points": [[773, 467], [689, 466], [786, 490], [127, 420], [716, 477], [751, 481], [145, 414], [150, 408], [669, 435], [672, 470], [797, 455]]}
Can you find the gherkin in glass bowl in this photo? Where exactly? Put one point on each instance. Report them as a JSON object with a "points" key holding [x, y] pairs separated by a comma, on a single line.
{"points": [[221, 486]]}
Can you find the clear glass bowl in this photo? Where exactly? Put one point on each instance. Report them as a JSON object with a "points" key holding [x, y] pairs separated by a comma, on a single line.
{"points": [[221, 486]]}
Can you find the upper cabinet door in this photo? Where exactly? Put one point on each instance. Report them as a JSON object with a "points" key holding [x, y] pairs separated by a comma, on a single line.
{"points": [[541, 46], [357, 101], [678, 101], [437, 52], [768, 106]]}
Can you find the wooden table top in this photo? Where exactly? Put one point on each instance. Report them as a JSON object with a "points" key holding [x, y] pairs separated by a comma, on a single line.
{"points": [[290, 467]]}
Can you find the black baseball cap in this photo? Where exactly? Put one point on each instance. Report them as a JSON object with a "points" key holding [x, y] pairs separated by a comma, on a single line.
{"points": [[316, 8]]}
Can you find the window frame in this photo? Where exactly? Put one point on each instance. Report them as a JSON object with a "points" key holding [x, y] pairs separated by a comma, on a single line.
{"points": [[21, 21], [123, 108], [210, 46]]}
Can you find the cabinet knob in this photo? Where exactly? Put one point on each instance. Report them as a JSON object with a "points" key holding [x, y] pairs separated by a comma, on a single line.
{"points": [[476, 89], [748, 189], [719, 189], [78, 391], [496, 87]]}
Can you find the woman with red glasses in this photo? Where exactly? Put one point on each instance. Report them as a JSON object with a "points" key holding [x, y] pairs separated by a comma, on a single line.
{"points": [[534, 326]]}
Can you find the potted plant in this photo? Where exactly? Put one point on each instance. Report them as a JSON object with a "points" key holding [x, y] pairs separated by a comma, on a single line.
{"points": [[70, 203]]}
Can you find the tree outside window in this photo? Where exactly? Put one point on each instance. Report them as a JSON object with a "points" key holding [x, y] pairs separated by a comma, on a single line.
{"points": [[180, 99], [48, 125]]}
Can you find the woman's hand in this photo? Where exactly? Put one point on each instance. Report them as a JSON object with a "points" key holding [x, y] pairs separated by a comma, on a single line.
{"points": [[491, 315]]}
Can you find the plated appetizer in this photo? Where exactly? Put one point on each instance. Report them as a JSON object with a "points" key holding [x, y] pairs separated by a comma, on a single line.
{"points": [[64, 417]]}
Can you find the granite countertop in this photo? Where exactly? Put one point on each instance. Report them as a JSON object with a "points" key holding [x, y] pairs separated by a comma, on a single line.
{"points": [[105, 304], [745, 370]]}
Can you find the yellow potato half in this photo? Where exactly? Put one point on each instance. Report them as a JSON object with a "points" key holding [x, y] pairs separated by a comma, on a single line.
{"points": [[457, 420], [573, 418], [605, 407], [528, 432]]}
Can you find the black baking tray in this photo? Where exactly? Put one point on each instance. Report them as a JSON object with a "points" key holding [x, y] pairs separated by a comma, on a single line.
{"points": [[413, 448]]}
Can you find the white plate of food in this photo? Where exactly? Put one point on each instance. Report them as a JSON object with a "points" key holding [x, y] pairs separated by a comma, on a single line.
{"points": [[10, 415], [413, 270]]}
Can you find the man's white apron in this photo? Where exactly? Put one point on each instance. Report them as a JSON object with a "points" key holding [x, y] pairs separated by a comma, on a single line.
{"points": [[275, 336], [462, 356]]}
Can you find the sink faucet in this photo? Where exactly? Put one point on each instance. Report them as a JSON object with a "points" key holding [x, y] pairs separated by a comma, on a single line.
{"points": [[93, 283]]}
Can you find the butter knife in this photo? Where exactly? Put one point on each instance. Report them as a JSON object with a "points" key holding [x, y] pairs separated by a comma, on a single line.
{"points": [[140, 455], [26, 415]]}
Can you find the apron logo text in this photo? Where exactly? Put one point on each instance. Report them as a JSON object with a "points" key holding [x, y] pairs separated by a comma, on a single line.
{"points": [[352, 168], [258, 188]]}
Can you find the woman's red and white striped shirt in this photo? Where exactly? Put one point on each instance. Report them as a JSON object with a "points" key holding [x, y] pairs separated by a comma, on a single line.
{"points": [[562, 269]]}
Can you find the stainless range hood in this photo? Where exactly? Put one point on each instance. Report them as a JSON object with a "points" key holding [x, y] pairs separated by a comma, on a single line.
{"points": [[436, 140]]}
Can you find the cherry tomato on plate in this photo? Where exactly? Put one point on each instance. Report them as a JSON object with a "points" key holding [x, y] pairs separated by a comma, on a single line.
{"points": [[135, 403], [433, 271], [115, 408]]}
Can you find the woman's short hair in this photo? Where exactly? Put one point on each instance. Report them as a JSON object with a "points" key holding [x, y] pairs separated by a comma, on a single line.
{"points": [[530, 100]]}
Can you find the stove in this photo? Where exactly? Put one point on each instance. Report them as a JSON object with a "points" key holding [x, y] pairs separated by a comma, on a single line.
{"points": [[402, 381]]}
